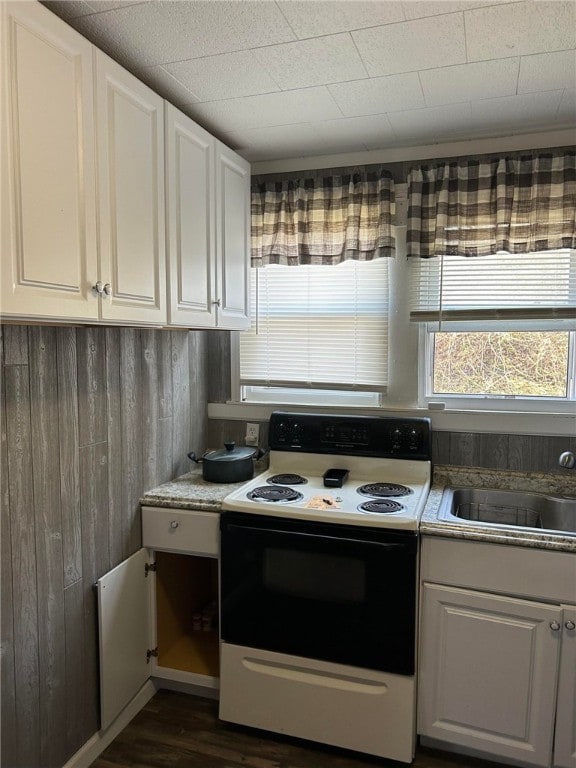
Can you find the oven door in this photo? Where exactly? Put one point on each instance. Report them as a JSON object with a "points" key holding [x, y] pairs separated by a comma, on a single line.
{"points": [[321, 591]]}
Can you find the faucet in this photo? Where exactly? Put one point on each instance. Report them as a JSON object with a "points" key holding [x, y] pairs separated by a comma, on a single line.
{"points": [[567, 460]]}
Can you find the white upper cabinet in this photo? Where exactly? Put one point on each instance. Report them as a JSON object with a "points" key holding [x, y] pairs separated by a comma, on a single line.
{"points": [[190, 208], [232, 238], [130, 135], [208, 209], [86, 215], [49, 258]]}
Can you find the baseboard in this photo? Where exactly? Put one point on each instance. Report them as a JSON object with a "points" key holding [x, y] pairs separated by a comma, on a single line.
{"points": [[89, 751], [192, 690]]}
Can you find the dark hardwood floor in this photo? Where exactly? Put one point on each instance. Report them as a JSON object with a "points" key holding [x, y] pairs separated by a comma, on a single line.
{"points": [[175, 730]]}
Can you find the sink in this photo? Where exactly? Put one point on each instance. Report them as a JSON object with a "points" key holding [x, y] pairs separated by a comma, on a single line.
{"points": [[491, 507]]}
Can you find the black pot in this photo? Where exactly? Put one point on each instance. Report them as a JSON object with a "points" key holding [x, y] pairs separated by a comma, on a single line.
{"points": [[228, 464]]}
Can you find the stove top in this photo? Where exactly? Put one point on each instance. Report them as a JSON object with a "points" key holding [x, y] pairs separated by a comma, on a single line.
{"points": [[377, 470], [376, 492]]}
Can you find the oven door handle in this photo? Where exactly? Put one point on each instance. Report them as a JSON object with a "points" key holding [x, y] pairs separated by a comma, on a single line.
{"points": [[318, 537]]}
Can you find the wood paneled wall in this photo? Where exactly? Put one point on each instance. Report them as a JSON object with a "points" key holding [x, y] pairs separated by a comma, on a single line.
{"points": [[90, 419]]}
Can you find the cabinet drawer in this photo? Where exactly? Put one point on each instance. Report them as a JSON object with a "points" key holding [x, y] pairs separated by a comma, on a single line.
{"points": [[181, 530]]}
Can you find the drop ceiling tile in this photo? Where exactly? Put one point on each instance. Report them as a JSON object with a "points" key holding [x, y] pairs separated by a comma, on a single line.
{"points": [[381, 94], [466, 82], [373, 132], [421, 8], [520, 29], [431, 124], [112, 5], [162, 32], [69, 9], [547, 71], [422, 44], [226, 76], [278, 142], [321, 17], [286, 108], [517, 112], [166, 85], [567, 111], [318, 61]]}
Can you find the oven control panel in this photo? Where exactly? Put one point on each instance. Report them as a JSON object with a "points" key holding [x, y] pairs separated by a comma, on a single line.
{"points": [[376, 436]]}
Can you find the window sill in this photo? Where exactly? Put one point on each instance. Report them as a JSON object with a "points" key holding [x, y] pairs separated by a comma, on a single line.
{"points": [[448, 420]]}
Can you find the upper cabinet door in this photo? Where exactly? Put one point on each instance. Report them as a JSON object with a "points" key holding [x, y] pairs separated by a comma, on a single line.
{"points": [[49, 260], [190, 222], [130, 136], [233, 237]]}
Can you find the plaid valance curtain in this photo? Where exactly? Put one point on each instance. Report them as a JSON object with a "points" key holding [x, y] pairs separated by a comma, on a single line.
{"points": [[476, 208], [323, 220]]}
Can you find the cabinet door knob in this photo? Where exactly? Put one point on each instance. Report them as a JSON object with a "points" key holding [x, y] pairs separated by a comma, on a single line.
{"points": [[554, 626], [570, 625], [217, 302], [174, 524], [98, 288], [107, 289]]}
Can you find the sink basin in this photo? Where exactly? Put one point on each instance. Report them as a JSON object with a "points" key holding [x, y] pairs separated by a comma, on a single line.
{"points": [[491, 507]]}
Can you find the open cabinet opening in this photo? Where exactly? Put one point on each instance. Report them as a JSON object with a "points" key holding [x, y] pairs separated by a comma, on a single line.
{"points": [[187, 613]]}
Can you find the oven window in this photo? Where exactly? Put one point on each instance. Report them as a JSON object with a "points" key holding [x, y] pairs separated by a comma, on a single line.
{"points": [[314, 576]]}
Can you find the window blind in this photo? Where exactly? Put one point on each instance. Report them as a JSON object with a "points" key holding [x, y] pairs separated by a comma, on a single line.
{"points": [[324, 327], [504, 286]]}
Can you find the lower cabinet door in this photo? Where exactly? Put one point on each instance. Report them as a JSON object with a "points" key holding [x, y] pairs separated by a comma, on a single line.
{"points": [[565, 742], [488, 669], [125, 630]]}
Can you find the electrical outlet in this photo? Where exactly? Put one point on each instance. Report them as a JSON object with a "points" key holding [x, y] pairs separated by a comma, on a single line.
{"points": [[252, 434]]}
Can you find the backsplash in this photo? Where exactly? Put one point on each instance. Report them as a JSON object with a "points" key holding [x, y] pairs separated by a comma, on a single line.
{"points": [[524, 453]]}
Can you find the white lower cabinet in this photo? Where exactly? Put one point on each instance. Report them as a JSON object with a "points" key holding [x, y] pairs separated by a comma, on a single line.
{"points": [[150, 610], [497, 672]]}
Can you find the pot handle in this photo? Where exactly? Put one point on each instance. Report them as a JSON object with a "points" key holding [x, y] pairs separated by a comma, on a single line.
{"points": [[192, 457], [259, 454]]}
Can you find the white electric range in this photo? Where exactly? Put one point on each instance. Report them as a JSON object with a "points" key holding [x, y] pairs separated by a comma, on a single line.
{"points": [[318, 581]]}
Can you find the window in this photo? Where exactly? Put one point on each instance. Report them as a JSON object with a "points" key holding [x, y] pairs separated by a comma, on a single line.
{"points": [[498, 326], [319, 290], [491, 330], [323, 329], [510, 364]]}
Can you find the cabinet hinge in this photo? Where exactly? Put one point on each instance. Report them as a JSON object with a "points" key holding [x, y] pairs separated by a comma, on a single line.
{"points": [[149, 567], [151, 652]]}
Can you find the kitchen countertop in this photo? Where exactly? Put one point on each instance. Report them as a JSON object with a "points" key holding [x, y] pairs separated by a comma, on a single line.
{"points": [[561, 484], [191, 491]]}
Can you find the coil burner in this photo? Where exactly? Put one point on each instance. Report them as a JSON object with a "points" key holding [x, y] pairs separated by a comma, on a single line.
{"points": [[274, 493], [380, 507], [384, 490], [287, 479]]}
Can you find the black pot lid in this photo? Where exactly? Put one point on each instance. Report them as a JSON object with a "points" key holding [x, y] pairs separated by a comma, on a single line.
{"points": [[231, 453]]}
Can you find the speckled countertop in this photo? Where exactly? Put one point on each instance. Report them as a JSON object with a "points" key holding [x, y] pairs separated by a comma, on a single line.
{"points": [[561, 484], [189, 491]]}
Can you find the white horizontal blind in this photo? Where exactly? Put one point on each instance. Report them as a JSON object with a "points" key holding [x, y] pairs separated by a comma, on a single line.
{"points": [[324, 327], [504, 286]]}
